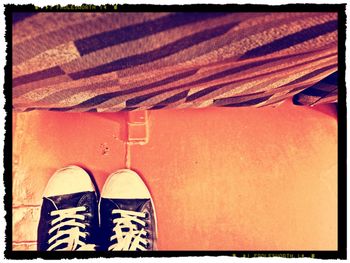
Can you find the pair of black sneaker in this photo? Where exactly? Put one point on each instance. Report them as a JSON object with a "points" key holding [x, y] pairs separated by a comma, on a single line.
{"points": [[72, 218]]}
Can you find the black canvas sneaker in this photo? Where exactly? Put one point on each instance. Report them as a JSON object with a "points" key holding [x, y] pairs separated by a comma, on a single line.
{"points": [[127, 215], [69, 212]]}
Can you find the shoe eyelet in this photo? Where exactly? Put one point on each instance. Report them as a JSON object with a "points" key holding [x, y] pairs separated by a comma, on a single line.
{"points": [[146, 225], [146, 215], [147, 245], [147, 234]]}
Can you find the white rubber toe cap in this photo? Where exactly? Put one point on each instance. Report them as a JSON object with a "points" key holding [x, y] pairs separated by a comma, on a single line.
{"points": [[69, 180], [125, 184]]}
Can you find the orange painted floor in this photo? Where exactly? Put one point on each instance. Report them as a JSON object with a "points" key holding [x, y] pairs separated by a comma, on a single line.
{"points": [[221, 178]]}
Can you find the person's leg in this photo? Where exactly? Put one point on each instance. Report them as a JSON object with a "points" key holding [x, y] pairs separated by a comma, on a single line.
{"points": [[69, 215], [127, 214]]}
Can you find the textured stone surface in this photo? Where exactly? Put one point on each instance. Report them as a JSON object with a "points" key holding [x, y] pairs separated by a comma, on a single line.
{"points": [[31, 246], [47, 141], [25, 222], [221, 178], [242, 179]]}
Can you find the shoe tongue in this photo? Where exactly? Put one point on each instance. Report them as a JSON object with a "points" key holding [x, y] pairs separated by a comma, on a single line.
{"points": [[67, 201], [130, 204]]}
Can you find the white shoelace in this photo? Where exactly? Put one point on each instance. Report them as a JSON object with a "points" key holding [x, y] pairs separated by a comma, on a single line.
{"points": [[73, 232], [132, 239]]}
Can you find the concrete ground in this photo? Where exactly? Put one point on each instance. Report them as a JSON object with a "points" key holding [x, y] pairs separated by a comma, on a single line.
{"points": [[221, 178]]}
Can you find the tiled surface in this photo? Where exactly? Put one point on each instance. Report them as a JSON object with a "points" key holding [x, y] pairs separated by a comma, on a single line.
{"points": [[24, 222], [24, 246], [47, 141], [242, 179], [221, 178]]}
